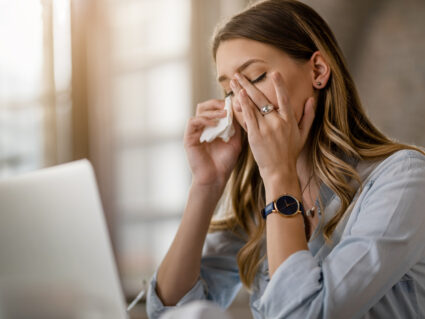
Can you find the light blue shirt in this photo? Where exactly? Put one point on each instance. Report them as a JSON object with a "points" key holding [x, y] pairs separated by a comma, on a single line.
{"points": [[374, 268]]}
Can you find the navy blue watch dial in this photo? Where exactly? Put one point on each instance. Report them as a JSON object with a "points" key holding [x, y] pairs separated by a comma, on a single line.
{"points": [[287, 205]]}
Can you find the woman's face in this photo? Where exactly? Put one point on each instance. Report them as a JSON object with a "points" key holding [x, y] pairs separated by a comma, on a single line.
{"points": [[257, 61]]}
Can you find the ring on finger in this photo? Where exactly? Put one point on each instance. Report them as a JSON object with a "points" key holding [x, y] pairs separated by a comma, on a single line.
{"points": [[266, 109]]}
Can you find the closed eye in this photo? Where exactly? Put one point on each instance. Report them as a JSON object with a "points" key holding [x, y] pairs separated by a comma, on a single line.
{"points": [[260, 78]]}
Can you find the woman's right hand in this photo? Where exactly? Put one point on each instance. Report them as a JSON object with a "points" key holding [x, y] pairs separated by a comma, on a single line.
{"points": [[211, 163]]}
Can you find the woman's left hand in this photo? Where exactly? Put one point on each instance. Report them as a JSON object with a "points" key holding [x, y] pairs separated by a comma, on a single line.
{"points": [[276, 139]]}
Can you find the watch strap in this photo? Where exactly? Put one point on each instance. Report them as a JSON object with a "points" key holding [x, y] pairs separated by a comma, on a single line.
{"points": [[267, 210]]}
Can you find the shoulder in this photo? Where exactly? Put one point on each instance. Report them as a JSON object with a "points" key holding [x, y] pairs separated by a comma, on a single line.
{"points": [[405, 155], [401, 162], [391, 202], [400, 176]]}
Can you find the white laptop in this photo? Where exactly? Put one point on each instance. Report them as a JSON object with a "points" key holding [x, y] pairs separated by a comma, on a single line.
{"points": [[56, 259]]}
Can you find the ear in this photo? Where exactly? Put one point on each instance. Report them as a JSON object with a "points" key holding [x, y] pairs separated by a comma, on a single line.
{"points": [[321, 70]]}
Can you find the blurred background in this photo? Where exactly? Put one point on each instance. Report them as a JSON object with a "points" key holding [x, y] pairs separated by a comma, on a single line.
{"points": [[115, 81]]}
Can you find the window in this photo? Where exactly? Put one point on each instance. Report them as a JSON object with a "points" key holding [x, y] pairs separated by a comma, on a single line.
{"points": [[152, 101], [141, 56], [35, 77]]}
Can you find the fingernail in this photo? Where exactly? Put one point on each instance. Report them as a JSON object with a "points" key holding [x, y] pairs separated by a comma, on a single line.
{"points": [[238, 76], [232, 83], [276, 76]]}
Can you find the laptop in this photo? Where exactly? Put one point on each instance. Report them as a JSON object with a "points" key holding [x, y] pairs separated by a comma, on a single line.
{"points": [[56, 259]]}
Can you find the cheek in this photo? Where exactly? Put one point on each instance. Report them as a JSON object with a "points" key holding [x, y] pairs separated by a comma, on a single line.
{"points": [[298, 93], [299, 99]]}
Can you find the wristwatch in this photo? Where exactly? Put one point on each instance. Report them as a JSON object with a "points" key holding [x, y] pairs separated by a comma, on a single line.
{"points": [[286, 205]]}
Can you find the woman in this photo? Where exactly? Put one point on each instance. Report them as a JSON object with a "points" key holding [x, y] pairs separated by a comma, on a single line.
{"points": [[324, 215]]}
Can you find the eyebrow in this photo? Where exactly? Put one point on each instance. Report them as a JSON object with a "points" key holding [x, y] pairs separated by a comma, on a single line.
{"points": [[241, 68]]}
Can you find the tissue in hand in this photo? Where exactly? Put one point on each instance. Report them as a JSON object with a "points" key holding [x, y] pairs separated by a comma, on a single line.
{"points": [[224, 129]]}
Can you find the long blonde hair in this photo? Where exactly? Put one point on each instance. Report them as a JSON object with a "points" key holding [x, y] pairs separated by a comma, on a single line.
{"points": [[341, 128]]}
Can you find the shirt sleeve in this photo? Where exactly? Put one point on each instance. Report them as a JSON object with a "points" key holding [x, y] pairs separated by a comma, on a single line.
{"points": [[219, 277], [383, 239]]}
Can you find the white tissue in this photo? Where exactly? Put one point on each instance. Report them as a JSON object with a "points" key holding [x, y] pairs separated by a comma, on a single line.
{"points": [[224, 129]]}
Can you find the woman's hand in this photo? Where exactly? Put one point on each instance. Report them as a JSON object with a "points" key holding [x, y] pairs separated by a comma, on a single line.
{"points": [[210, 163], [275, 139]]}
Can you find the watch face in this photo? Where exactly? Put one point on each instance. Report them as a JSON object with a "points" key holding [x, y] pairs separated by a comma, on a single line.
{"points": [[287, 205]]}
